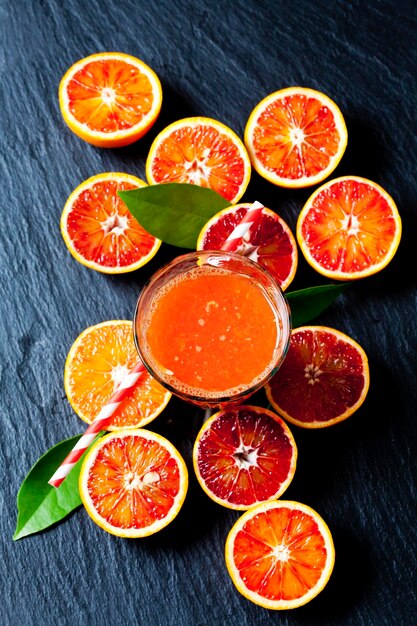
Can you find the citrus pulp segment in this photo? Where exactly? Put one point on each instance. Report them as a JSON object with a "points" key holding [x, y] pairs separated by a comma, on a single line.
{"points": [[244, 455], [349, 228], [98, 229], [110, 99], [133, 483], [295, 137], [97, 362], [200, 151], [323, 379], [280, 554], [269, 242]]}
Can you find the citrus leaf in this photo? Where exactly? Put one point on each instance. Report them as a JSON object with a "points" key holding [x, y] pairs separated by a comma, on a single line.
{"points": [[39, 504], [174, 212], [306, 304]]}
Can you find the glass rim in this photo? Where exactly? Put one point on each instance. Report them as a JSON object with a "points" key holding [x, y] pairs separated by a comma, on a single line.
{"points": [[224, 399]]}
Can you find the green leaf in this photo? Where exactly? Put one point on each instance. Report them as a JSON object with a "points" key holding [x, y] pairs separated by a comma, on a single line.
{"points": [[174, 212], [39, 504], [306, 304]]}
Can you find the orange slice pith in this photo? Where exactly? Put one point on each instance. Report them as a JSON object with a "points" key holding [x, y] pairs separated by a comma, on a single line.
{"points": [[96, 364], [280, 554], [349, 228], [323, 379], [295, 137], [200, 151], [243, 456], [99, 230], [133, 483], [110, 99], [271, 244]]}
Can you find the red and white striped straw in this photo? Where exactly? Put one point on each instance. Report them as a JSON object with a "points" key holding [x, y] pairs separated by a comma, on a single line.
{"points": [[125, 388], [235, 238], [100, 423]]}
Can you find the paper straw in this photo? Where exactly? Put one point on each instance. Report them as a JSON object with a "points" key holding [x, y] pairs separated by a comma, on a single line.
{"points": [[128, 383], [100, 423], [238, 233]]}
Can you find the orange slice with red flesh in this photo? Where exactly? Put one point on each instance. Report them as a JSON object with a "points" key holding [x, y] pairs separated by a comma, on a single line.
{"points": [[270, 242], [323, 379], [349, 228], [280, 555], [200, 151], [110, 99], [100, 232], [133, 483], [296, 137], [244, 455], [97, 362]]}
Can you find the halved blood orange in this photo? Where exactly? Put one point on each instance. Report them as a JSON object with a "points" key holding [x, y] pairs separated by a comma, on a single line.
{"points": [[323, 379], [296, 137], [98, 229], [110, 99], [96, 364], [349, 228], [244, 455], [200, 151], [280, 554], [270, 242], [133, 483]]}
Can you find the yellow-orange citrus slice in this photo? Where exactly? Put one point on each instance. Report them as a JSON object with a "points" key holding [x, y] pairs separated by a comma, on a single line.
{"points": [[243, 456], [349, 228], [200, 151], [280, 554], [96, 364], [323, 379], [98, 229], [133, 483], [295, 137], [271, 242], [110, 99]]}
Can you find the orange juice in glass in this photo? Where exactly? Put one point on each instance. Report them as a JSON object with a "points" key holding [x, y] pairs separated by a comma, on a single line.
{"points": [[212, 327]]}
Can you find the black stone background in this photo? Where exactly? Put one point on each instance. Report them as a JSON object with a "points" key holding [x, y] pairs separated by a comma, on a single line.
{"points": [[216, 59]]}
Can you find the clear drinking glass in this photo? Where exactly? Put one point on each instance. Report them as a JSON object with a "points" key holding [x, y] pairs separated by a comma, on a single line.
{"points": [[210, 260]]}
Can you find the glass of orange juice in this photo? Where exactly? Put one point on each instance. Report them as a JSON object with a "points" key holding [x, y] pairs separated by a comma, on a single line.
{"points": [[212, 327]]}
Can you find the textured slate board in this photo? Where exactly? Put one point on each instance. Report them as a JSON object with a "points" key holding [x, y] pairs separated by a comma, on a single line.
{"points": [[217, 59]]}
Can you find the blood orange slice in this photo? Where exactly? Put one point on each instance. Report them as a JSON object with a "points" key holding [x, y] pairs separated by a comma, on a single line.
{"points": [[296, 137], [200, 151], [349, 228], [133, 483], [270, 243], [110, 99], [280, 555], [100, 232], [244, 455], [97, 362], [323, 379]]}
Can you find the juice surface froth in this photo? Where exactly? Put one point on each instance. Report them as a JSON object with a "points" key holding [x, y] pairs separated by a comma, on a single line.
{"points": [[211, 332]]}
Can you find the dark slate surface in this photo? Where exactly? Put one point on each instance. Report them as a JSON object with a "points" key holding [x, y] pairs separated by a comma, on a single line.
{"points": [[216, 59]]}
